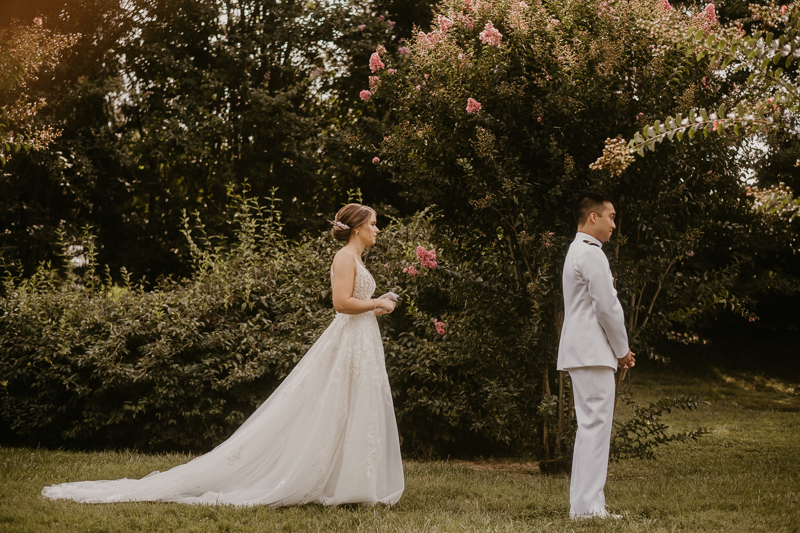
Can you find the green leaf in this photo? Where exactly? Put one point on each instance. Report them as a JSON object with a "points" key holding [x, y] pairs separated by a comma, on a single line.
{"points": [[692, 131], [638, 138], [704, 114], [740, 109], [640, 151], [737, 129], [721, 111], [679, 135]]}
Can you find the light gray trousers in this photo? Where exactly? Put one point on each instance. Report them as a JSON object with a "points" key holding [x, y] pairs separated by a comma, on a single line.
{"points": [[593, 387]]}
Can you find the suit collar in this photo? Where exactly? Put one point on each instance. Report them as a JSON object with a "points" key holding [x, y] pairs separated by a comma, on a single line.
{"points": [[580, 236]]}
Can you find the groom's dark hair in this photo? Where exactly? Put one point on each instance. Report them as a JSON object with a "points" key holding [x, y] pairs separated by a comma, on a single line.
{"points": [[588, 202]]}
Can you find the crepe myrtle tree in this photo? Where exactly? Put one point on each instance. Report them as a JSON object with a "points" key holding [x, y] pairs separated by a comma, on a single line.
{"points": [[501, 109], [768, 99]]}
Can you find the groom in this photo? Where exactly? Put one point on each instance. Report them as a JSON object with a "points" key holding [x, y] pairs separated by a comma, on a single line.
{"points": [[593, 344]]}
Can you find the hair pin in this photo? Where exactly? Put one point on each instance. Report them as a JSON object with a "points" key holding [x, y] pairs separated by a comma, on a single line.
{"points": [[342, 225]]}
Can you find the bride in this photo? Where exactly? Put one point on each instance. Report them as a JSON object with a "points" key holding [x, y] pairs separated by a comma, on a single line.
{"points": [[327, 434]]}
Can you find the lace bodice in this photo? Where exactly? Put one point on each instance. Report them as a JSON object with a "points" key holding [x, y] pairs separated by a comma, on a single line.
{"points": [[364, 286]]}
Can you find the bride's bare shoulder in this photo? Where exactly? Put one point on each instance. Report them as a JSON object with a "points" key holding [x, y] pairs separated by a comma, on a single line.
{"points": [[344, 260]]}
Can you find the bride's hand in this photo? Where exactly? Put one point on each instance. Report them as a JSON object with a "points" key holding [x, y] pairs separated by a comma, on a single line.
{"points": [[383, 306]]}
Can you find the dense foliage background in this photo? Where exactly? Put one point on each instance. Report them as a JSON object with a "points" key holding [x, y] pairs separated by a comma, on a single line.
{"points": [[171, 168]]}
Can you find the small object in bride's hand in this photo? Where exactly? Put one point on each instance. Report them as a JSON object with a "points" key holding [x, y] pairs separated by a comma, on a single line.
{"points": [[390, 296]]}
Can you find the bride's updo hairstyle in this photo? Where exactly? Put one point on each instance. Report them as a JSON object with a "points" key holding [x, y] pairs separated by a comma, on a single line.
{"points": [[348, 219]]}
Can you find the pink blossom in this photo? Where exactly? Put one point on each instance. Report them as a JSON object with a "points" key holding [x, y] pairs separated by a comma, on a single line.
{"points": [[382, 17], [690, 253], [404, 50], [783, 10], [517, 22], [390, 23], [714, 127], [380, 49], [468, 21], [472, 105], [539, 119], [707, 17], [375, 62], [664, 5], [444, 23], [374, 81], [439, 326], [427, 76], [555, 22], [365, 95], [418, 88], [468, 5], [37, 21], [427, 258], [490, 35], [362, 27], [390, 71], [376, 160], [550, 234], [410, 270]]}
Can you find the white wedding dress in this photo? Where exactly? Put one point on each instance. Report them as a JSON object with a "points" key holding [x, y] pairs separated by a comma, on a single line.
{"points": [[327, 435]]}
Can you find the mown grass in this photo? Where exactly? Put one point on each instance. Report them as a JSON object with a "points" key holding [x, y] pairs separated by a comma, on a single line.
{"points": [[744, 476]]}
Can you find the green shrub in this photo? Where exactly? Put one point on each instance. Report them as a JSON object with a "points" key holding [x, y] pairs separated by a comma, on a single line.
{"points": [[87, 363]]}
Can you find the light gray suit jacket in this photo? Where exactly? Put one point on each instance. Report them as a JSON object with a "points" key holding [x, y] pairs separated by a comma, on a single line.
{"points": [[594, 325]]}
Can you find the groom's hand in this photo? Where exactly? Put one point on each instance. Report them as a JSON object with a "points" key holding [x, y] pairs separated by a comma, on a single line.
{"points": [[628, 361]]}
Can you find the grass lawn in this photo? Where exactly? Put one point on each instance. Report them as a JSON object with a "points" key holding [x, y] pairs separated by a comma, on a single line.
{"points": [[744, 476]]}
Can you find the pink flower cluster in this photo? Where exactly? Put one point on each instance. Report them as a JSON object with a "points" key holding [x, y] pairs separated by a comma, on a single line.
{"points": [[707, 17], [410, 270], [439, 326], [490, 35], [374, 81], [429, 40], [404, 50], [516, 21], [664, 5], [376, 160], [473, 105], [365, 95], [783, 10], [37, 21], [427, 258], [375, 63], [444, 24]]}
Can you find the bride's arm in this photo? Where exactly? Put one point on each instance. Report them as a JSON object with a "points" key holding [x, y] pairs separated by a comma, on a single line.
{"points": [[344, 278]]}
